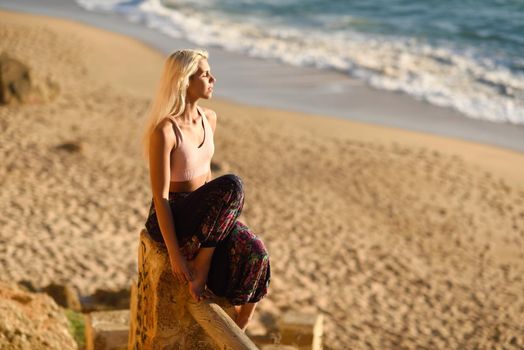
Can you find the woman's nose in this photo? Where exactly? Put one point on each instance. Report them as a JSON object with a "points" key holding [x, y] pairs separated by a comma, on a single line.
{"points": [[213, 79]]}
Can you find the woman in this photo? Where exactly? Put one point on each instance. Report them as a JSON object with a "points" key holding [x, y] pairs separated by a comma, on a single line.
{"points": [[194, 216]]}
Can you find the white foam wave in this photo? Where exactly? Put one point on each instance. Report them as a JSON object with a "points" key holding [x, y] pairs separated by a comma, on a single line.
{"points": [[475, 86]]}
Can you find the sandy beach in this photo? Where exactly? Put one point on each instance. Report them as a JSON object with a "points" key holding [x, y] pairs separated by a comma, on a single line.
{"points": [[400, 239]]}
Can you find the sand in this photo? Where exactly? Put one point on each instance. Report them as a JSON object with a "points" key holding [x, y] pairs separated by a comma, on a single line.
{"points": [[402, 240]]}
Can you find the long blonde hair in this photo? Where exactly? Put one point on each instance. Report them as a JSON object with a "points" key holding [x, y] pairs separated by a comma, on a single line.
{"points": [[170, 96]]}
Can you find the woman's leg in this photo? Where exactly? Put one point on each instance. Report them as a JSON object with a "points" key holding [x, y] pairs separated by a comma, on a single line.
{"points": [[208, 214], [244, 314], [222, 251], [249, 266], [240, 271], [203, 217], [214, 208]]}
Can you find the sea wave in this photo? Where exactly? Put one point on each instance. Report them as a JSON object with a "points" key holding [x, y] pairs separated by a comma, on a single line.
{"points": [[441, 73]]}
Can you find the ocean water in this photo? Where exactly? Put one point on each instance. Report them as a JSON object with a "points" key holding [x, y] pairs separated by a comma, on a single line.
{"points": [[468, 55]]}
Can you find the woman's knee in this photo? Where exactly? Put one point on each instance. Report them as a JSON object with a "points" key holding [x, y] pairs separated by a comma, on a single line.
{"points": [[233, 183], [256, 250], [259, 250]]}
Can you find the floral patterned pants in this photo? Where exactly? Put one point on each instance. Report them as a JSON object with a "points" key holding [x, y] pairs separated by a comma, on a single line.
{"points": [[207, 217]]}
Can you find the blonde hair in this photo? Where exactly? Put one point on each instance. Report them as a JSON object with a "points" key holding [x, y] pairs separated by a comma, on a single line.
{"points": [[170, 96]]}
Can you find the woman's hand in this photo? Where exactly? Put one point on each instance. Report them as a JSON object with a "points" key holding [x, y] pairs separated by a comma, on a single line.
{"points": [[181, 269]]}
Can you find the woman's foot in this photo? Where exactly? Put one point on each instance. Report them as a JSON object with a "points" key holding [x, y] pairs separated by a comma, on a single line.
{"points": [[200, 269], [244, 313]]}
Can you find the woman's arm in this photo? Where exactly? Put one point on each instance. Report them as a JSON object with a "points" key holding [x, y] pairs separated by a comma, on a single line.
{"points": [[161, 143]]}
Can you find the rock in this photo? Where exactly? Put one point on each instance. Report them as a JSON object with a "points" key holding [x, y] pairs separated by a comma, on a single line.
{"points": [[63, 295], [70, 147], [17, 85], [15, 81], [104, 300], [27, 286], [164, 317], [303, 330], [159, 318], [107, 330], [32, 321]]}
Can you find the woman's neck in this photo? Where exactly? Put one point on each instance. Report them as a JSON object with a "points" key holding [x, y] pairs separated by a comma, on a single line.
{"points": [[190, 114]]}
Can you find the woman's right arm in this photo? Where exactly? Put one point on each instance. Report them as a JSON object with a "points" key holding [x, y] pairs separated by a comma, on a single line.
{"points": [[161, 143]]}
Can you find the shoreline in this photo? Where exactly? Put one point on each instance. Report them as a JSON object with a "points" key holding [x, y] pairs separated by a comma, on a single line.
{"points": [[267, 83], [493, 158]]}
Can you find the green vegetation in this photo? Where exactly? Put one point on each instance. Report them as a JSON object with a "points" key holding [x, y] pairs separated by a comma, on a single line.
{"points": [[77, 327]]}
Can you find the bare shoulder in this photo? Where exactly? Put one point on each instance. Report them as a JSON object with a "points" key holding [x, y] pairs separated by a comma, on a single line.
{"points": [[164, 134], [211, 116]]}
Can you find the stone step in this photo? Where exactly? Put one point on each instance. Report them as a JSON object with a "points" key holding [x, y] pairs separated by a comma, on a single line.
{"points": [[107, 330], [302, 330]]}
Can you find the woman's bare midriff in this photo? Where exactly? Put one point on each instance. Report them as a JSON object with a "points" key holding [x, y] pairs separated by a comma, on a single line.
{"points": [[187, 186]]}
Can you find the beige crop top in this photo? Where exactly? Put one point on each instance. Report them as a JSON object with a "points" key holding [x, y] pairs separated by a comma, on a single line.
{"points": [[189, 160]]}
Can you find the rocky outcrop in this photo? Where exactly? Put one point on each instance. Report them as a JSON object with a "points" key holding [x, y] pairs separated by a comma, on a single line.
{"points": [[105, 300], [19, 86], [63, 295], [31, 321], [15, 82], [67, 297]]}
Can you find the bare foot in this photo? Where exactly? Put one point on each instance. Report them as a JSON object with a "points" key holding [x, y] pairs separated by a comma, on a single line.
{"points": [[200, 269], [198, 285]]}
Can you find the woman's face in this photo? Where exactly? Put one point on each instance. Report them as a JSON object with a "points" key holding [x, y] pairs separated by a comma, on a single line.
{"points": [[201, 83]]}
